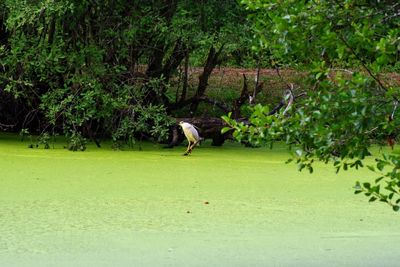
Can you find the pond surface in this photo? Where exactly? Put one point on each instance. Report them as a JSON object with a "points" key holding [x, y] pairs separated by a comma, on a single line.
{"points": [[222, 206]]}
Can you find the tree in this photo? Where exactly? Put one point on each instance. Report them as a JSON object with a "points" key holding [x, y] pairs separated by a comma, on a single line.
{"points": [[106, 68], [349, 49]]}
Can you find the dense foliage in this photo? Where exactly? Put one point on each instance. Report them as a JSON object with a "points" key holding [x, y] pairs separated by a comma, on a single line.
{"points": [[107, 68], [349, 48], [119, 69]]}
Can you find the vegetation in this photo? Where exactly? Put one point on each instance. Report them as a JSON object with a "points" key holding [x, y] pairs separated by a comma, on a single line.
{"points": [[116, 69], [348, 47], [90, 70], [65, 209]]}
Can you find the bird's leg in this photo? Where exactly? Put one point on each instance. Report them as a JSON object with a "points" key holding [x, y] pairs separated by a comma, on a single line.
{"points": [[187, 150], [191, 148], [193, 145]]}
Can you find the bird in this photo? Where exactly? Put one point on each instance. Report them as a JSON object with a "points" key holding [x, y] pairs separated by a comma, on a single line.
{"points": [[191, 135]]}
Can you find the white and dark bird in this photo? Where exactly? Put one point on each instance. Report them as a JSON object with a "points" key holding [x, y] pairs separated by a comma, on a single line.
{"points": [[192, 136]]}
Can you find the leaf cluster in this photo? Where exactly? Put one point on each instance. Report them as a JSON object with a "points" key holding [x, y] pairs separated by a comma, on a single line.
{"points": [[346, 46]]}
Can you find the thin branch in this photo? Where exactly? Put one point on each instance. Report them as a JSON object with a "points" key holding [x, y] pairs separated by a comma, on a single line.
{"points": [[396, 103], [252, 99], [289, 94], [280, 76], [344, 70], [283, 102], [30, 116], [215, 103], [363, 63], [2, 125], [372, 130]]}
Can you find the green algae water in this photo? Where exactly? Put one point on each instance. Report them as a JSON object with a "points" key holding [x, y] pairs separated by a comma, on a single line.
{"points": [[225, 206]]}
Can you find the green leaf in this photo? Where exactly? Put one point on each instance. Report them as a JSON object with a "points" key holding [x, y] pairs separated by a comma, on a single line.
{"points": [[225, 129], [380, 165], [337, 169], [367, 185], [289, 160], [345, 166], [310, 169]]}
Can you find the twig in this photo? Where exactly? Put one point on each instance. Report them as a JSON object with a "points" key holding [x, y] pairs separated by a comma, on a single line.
{"points": [[394, 109], [344, 70], [291, 98], [363, 64], [2, 125], [252, 99], [283, 102], [215, 103], [280, 76], [372, 130]]}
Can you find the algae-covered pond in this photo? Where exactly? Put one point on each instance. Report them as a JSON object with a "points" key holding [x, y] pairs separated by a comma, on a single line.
{"points": [[226, 206]]}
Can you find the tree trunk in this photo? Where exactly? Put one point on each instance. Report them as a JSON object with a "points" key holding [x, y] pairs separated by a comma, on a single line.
{"points": [[174, 60], [213, 59], [185, 78], [155, 68], [3, 31]]}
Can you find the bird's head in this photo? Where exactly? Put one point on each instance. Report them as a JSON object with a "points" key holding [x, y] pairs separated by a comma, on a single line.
{"points": [[181, 123]]}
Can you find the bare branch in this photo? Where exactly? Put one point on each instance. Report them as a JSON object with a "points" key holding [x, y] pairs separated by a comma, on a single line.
{"points": [[290, 96], [220, 105], [373, 76], [4, 126], [283, 103], [396, 103]]}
